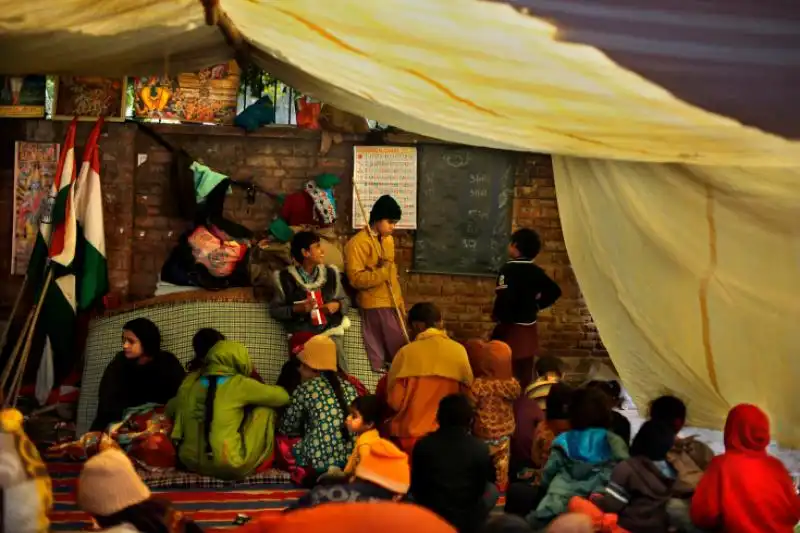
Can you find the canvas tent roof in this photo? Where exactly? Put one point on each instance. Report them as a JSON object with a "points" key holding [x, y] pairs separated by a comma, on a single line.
{"points": [[453, 68], [690, 269]]}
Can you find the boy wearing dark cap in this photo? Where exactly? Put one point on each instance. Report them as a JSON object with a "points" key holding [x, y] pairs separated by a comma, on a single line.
{"points": [[371, 270]]}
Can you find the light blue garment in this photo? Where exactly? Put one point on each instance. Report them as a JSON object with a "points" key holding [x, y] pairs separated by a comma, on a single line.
{"points": [[665, 468], [587, 445]]}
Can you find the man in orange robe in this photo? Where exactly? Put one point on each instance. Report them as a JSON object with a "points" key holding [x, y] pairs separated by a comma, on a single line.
{"points": [[422, 373]]}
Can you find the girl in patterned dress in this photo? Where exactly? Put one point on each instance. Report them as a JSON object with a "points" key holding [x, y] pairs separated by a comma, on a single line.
{"points": [[494, 392], [318, 409]]}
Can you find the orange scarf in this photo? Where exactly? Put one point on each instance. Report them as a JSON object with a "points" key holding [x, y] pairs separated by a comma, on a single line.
{"points": [[490, 360]]}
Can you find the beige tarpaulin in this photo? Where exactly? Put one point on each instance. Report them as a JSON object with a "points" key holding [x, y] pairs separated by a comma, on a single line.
{"points": [[462, 70], [691, 269], [692, 275]]}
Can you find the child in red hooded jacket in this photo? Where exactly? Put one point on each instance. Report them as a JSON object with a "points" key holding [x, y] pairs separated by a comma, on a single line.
{"points": [[745, 490]]}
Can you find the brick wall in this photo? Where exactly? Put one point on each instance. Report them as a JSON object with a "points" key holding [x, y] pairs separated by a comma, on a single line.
{"points": [[117, 181], [142, 228]]}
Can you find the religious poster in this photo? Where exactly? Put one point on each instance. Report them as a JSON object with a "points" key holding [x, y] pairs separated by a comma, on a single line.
{"points": [[379, 170], [89, 97], [35, 166], [22, 96], [209, 95]]}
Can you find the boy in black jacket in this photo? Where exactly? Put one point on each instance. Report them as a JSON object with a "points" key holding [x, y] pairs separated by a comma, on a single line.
{"points": [[523, 289], [452, 473]]}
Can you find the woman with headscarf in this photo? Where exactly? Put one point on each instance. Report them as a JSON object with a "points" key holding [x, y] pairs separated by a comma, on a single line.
{"points": [[641, 486], [493, 392], [225, 419], [141, 373], [202, 342], [746, 490]]}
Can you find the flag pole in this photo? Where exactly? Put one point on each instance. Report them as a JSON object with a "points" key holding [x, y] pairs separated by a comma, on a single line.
{"points": [[33, 318], [17, 346], [380, 256], [14, 310]]}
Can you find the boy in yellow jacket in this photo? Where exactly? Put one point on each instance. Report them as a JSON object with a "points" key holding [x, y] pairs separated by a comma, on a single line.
{"points": [[371, 270]]}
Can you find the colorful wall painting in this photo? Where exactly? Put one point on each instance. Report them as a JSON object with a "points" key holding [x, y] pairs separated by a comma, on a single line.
{"points": [[35, 166], [209, 95], [89, 97], [23, 96]]}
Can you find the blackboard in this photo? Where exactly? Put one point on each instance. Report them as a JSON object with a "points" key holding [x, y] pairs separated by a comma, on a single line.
{"points": [[464, 209]]}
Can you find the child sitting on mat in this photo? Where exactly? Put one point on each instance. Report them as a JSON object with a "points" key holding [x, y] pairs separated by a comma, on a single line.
{"points": [[382, 473], [362, 422], [318, 409], [111, 491]]}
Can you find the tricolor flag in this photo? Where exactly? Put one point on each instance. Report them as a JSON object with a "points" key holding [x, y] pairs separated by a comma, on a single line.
{"points": [[92, 267], [77, 255], [41, 249], [56, 240]]}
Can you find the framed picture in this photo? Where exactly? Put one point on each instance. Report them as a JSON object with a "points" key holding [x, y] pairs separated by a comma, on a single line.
{"points": [[35, 166], [23, 96], [89, 97], [206, 96]]}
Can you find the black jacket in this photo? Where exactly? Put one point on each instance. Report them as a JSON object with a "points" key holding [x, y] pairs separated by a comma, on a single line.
{"points": [[523, 289], [290, 289], [449, 472], [638, 492], [127, 384]]}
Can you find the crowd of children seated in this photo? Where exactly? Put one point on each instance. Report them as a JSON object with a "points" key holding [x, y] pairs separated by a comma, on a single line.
{"points": [[450, 427], [588, 479]]}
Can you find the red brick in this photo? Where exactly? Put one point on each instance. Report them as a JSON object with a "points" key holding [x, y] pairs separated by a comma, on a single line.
{"points": [[297, 162], [263, 161], [141, 229]]}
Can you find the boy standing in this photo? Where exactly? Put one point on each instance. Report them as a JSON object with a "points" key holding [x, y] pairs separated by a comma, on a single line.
{"points": [[370, 266], [523, 289]]}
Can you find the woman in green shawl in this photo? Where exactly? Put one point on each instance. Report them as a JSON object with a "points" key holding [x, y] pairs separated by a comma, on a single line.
{"points": [[224, 419]]}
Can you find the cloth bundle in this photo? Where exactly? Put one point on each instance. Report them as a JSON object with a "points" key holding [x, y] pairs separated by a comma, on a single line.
{"points": [[143, 433]]}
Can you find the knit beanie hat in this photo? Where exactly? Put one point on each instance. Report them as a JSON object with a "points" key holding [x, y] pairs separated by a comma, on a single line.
{"points": [[108, 484], [386, 465], [385, 208], [319, 353], [147, 333]]}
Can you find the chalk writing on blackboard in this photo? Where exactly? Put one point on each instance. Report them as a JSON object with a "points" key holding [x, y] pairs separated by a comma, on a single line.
{"points": [[464, 208]]}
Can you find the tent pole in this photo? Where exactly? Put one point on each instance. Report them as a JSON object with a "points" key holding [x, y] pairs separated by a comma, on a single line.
{"points": [[13, 314], [33, 318]]}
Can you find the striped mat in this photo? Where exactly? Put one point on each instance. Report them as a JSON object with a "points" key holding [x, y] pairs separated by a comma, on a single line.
{"points": [[215, 508]]}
